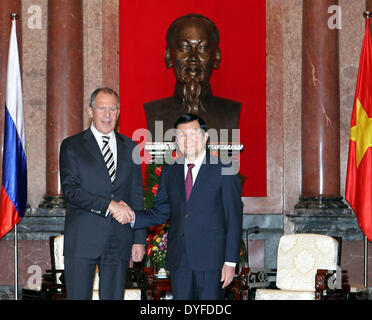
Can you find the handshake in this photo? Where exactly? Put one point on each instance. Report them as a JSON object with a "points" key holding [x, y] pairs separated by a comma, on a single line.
{"points": [[121, 211]]}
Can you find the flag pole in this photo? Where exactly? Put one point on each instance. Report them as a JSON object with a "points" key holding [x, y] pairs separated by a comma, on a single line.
{"points": [[14, 16], [15, 263], [367, 15], [365, 261]]}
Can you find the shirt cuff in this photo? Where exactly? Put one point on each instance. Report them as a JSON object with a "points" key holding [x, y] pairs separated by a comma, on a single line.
{"points": [[133, 222], [231, 264]]}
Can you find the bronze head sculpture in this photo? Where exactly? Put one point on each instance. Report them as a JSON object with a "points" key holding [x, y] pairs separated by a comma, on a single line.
{"points": [[193, 52]]}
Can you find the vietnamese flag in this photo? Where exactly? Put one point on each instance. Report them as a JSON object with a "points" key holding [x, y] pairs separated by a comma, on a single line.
{"points": [[358, 191]]}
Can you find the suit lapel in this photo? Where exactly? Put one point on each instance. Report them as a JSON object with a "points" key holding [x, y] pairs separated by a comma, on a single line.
{"points": [[90, 143], [179, 179], [121, 149], [92, 146], [200, 178]]}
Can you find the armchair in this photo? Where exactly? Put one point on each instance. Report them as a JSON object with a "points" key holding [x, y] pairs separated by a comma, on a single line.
{"points": [[307, 269], [53, 285], [129, 294]]}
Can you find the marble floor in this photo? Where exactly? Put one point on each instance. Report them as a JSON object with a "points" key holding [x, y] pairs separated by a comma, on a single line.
{"points": [[7, 293]]}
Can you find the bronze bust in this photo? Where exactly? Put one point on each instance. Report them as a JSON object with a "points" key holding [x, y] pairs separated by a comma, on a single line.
{"points": [[193, 52]]}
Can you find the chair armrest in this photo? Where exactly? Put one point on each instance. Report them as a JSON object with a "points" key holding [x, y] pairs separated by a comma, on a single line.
{"points": [[149, 276], [244, 284], [331, 284], [49, 277], [259, 278], [136, 278], [54, 271]]}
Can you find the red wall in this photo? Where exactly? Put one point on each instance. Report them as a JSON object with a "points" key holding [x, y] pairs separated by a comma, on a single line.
{"points": [[241, 76]]}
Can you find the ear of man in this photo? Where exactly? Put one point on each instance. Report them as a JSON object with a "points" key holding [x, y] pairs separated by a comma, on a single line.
{"points": [[217, 59], [168, 58]]}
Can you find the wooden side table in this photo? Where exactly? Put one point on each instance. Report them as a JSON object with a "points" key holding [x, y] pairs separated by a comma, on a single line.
{"points": [[160, 286], [155, 286]]}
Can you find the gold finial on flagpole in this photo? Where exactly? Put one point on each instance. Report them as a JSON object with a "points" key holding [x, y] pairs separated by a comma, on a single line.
{"points": [[367, 14], [14, 16]]}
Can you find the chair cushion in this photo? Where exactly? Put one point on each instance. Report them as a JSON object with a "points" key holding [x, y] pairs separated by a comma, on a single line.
{"points": [[299, 257], [129, 294], [58, 255], [95, 295], [96, 280], [132, 294], [273, 294]]}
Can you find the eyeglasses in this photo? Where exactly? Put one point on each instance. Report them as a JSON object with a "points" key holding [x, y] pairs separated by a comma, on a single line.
{"points": [[110, 109], [191, 133]]}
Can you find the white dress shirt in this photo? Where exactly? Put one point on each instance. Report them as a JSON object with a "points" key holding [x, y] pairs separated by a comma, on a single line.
{"points": [[112, 144], [195, 170]]}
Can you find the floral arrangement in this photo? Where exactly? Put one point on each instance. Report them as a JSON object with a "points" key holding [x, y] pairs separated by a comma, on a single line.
{"points": [[156, 240], [156, 244]]}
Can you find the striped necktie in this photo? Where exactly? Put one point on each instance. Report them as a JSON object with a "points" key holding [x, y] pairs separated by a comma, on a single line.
{"points": [[109, 158]]}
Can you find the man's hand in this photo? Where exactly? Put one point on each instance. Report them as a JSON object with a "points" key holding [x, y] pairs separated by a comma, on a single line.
{"points": [[227, 275], [121, 211], [138, 251]]}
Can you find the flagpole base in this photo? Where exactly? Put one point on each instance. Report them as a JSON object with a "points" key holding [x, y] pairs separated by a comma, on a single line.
{"points": [[53, 202]]}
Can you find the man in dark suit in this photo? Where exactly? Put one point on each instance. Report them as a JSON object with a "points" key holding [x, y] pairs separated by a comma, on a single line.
{"points": [[205, 210], [97, 174], [193, 53]]}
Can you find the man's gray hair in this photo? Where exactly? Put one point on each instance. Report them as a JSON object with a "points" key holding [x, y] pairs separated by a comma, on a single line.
{"points": [[106, 91]]}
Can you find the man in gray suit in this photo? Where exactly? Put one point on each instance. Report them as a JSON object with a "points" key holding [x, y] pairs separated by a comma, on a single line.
{"points": [[98, 174]]}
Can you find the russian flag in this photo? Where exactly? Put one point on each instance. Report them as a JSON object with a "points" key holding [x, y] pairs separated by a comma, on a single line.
{"points": [[14, 179]]}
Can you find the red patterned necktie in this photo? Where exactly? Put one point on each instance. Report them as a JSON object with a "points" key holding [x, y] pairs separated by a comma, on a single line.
{"points": [[188, 181]]}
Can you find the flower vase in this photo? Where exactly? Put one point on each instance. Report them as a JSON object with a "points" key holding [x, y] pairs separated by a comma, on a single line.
{"points": [[162, 273]]}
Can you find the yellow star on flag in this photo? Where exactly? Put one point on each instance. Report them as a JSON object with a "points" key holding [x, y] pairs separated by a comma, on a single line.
{"points": [[361, 133]]}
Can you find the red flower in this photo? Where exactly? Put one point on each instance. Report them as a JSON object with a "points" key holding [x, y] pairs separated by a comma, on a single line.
{"points": [[175, 154], [214, 153], [159, 228], [158, 171], [149, 249], [152, 229], [155, 189]]}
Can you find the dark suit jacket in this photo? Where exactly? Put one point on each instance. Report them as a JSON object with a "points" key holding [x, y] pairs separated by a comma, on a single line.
{"points": [[208, 226], [88, 191], [220, 113]]}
